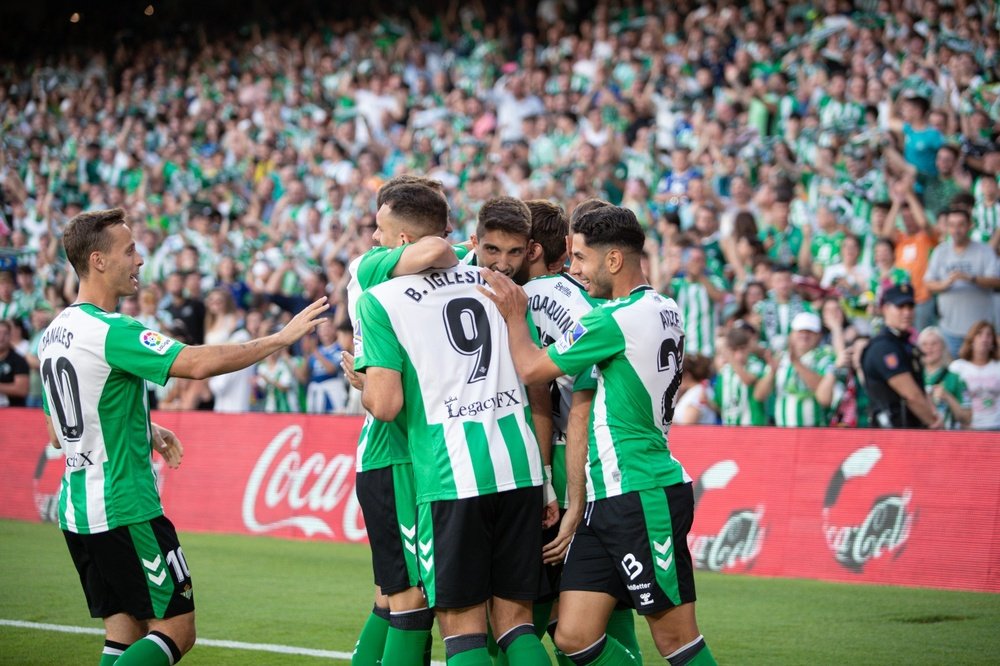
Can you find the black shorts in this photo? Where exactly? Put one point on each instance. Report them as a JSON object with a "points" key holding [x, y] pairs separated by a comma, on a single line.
{"points": [[476, 548], [634, 547], [136, 569], [548, 581], [388, 502]]}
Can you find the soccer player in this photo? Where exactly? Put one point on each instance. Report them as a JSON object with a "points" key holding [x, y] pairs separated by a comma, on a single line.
{"points": [[556, 302], [476, 462], [411, 221], [94, 364], [632, 543]]}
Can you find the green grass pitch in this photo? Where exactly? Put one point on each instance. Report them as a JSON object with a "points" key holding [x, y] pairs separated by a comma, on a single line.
{"points": [[316, 595]]}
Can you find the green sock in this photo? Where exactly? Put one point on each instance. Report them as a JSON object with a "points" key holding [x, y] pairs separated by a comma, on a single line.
{"points": [[112, 650], [614, 654], [404, 647], [540, 617], [428, 647], [696, 655], [371, 643], [621, 627], [527, 649], [476, 657], [144, 652]]}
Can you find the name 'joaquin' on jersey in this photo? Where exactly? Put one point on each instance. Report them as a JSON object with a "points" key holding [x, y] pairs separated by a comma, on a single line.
{"points": [[466, 412]]}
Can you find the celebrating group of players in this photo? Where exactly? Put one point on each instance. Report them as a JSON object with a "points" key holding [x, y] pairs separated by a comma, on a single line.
{"points": [[495, 411]]}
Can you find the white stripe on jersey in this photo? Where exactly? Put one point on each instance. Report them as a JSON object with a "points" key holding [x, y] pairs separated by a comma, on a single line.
{"points": [[605, 448]]}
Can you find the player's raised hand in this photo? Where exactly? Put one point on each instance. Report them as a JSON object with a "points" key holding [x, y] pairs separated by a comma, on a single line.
{"points": [[165, 443], [304, 322], [509, 298]]}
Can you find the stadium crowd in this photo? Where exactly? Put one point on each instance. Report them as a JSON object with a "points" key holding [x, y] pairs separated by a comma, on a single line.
{"points": [[789, 163]]}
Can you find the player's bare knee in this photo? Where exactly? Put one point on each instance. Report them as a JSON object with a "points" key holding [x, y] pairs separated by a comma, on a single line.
{"points": [[674, 628], [571, 640], [409, 599]]}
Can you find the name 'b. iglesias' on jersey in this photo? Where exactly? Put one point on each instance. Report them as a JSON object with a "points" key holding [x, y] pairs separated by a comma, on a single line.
{"points": [[106, 419], [466, 412], [637, 344]]}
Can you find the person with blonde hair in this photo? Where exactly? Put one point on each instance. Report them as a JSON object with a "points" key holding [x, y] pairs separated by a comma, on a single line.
{"points": [[945, 388], [978, 364]]}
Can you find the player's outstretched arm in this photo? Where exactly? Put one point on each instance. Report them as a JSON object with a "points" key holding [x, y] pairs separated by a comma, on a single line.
{"points": [[533, 365], [428, 252], [206, 361]]}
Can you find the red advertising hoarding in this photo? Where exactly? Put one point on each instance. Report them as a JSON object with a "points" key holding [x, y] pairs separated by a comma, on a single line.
{"points": [[892, 507]]}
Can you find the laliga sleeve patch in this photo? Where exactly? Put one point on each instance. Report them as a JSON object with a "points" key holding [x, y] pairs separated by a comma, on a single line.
{"points": [[359, 349], [567, 340], [891, 361], [155, 341]]}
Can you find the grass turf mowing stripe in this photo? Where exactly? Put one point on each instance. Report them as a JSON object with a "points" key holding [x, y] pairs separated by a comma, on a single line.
{"points": [[206, 642]]}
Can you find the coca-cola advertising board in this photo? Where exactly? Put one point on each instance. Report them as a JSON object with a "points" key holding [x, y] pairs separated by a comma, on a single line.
{"points": [[889, 507]]}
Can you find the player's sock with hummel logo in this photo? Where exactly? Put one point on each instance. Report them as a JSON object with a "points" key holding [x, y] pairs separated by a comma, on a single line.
{"points": [[371, 643], [521, 646], [695, 653], [407, 637], [467, 650], [153, 649], [621, 627], [605, 652], [112, 650]]}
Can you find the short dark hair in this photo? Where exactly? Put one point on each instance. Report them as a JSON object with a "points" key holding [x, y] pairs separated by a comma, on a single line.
{"points": [[960, 210], [85, 234], [421, 208], [611, 226], [405, 179], [549, 226], [505, 214], [583, 208]]}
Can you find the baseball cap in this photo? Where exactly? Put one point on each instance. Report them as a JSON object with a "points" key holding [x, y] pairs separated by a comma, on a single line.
{"points": [[807, 321], [899, 294]]}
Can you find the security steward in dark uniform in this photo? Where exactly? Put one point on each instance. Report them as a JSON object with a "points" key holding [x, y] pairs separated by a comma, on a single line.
{"points": [[894, 376]]}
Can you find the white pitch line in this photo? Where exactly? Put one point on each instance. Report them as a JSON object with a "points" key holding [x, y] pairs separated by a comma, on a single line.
{"points": [[207, 642]]}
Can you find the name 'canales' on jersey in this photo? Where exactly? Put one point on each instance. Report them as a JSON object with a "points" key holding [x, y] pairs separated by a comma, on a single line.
{"points": [[103, 423], [466, 412], [637, 344]]}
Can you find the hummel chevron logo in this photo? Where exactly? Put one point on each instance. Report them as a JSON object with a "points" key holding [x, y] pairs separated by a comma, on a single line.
{"points": [[408, 532], [410, 547], [662, 548], [664, 564], [428, 563], [154, 566], [425, 547]]}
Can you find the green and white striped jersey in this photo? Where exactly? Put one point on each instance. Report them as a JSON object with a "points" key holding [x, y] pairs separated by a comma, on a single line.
{"points": [[637, 344], [94, 365], [467, 416], [379, 444], [698, 312], [952, 384], [556, 303], [985, 220], [735, 399], [795, 405]]}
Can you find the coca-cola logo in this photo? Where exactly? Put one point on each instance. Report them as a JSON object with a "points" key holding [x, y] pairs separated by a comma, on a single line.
{"points": [[288, 489], [884, 527], [737, 543]]}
